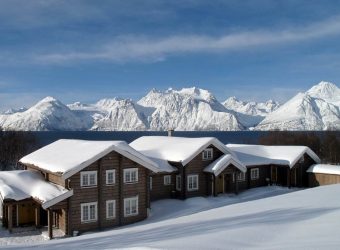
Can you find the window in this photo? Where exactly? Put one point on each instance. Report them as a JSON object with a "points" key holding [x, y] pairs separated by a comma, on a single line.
{"points": [[240, 176], [207, 154], [150, 183], [178, 183], [254, 173], [110, 177], [192, 182], [130, 175], [167, 179], [88, 178], [110, 209], [88, 212], [131, 206]]}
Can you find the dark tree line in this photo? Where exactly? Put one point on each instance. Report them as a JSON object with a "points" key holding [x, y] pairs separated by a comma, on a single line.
{"points": [[13, 146], [325, 144]]}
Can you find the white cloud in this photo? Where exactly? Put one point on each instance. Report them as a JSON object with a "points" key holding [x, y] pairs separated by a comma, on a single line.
{"points": [[137, 48]]}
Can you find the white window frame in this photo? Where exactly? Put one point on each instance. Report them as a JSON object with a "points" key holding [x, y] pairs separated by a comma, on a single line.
{"points": [[207, 154], [113, 172], [88, 205], [128, 172], [254, 173], [167, 180], [191, 181], [178, 182], [108, 203], [88, 174], [128, 201], [240, 176]]}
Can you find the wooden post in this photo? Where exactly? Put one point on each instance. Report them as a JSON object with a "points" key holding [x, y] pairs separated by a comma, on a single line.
{"points": [[184, 182], [50, 222], [288, 177], [99, 188], [214, 186], [120, 191], [37, 217], [10, 217], [236, 183]]}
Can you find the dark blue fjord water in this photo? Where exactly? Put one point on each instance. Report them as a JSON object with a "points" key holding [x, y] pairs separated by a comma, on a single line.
{"points": [[45, 138], [249, 137]]}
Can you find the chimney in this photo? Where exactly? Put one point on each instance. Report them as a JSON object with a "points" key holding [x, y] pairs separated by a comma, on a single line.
{"points": [[170, 132]]}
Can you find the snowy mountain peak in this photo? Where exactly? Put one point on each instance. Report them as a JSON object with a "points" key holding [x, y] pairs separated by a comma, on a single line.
{"points": [[327, 91], [198, 93], [49, 99], [316, 109]]}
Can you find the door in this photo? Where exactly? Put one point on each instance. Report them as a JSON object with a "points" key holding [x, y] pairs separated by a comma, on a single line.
{"points": [[274, 174], [26, 213], [220, 183], [228, 180]]}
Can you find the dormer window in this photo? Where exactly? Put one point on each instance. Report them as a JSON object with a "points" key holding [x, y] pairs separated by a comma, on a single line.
{"points": [[207, 154], [88, 178]]}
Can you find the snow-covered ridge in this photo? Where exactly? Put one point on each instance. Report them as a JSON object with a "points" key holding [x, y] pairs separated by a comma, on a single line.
{"points": [[316, 109], [184, 109]]}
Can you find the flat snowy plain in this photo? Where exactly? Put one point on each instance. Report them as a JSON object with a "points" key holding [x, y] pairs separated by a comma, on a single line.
{"points": [[260, 218]]}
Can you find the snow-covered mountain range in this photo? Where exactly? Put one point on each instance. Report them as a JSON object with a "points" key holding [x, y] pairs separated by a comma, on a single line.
{"points": [[316, 109], [185, 109]]}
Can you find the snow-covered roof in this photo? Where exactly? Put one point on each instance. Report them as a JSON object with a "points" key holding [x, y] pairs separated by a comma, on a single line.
{"points": [[324, 169], [175, 149], [252, 155], [222, 163], [68, 157], [23, 184]]}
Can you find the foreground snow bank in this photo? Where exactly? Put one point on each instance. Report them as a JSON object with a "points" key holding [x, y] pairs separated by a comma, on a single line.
{"points": [[306, 219]]}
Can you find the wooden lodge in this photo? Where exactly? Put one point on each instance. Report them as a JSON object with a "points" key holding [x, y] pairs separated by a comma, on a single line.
{"points": [[78, 186], [82, 186]]}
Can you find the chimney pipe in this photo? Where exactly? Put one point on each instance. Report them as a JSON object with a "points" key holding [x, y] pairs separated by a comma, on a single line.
{"points": [[170, 132]]}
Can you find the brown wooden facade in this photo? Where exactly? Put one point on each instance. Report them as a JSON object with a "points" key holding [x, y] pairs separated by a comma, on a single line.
{"points": [[320, 179], [66, 214]]}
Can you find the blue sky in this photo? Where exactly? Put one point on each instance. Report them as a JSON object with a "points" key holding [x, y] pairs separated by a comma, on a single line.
{"points": [[84, 50]]}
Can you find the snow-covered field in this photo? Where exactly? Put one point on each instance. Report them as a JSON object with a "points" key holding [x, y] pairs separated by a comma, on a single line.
{"points": [[261, 218]]}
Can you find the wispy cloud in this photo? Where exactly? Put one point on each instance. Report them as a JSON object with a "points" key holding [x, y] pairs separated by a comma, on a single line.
{"points": [[139, 48]]}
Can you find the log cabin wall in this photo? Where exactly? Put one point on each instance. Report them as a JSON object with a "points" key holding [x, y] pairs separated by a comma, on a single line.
{"points": [[159, 190], [196, 166], [320, 179], [102, 193]]}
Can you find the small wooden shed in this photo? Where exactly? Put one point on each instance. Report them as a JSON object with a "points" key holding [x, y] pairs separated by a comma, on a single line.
{"points": [[323, 174]]}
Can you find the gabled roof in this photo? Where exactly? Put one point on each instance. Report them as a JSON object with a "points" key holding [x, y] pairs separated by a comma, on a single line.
{"points": [[324, 169], [23, 184], [175, 149], [68, 157], [222, 163], [252, 155]]}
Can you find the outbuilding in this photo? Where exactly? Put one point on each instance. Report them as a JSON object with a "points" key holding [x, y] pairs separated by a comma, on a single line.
{"points": [[323, 174]]}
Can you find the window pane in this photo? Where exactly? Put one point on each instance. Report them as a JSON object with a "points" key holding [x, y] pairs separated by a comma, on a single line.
{"points": [[91, 212], [92, 179], [127, 207], [127, 176], [85, 180], [109, 177], [133, 206], [85, 213], [110, 210]]}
